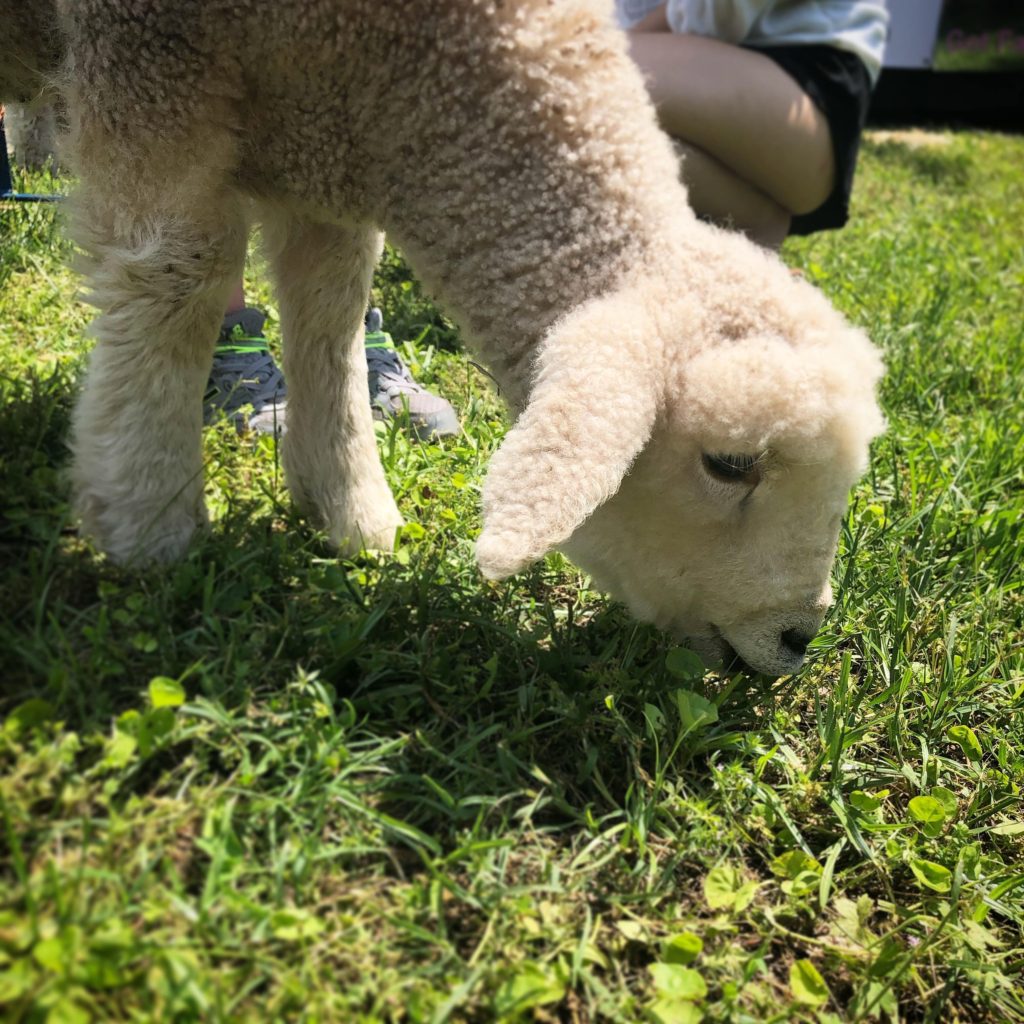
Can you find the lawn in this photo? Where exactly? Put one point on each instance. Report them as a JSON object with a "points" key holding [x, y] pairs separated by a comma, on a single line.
{"points": [[266, 783]]}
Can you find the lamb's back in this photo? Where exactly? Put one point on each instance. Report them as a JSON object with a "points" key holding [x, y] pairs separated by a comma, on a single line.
{"points": [[325, 94]]}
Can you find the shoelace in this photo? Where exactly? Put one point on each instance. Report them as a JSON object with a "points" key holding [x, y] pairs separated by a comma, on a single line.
{"points": [[253, 377], [389, 368]]}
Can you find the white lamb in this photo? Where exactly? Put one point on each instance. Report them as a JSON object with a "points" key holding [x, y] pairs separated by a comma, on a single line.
{"points": [[689, 418]]}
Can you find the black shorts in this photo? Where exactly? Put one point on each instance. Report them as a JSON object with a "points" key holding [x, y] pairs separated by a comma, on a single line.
{"points": [[839, 85]]}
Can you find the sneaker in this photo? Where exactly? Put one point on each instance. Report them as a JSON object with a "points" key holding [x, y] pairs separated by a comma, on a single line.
{"points": [[245, 383], [394, 392]]}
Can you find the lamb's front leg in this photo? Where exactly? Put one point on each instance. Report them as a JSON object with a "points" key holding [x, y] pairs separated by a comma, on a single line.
{"points": [[330, 455], [159, 265]]}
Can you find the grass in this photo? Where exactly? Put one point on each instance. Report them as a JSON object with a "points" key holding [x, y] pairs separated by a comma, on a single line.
{"points": [[269, 784]]}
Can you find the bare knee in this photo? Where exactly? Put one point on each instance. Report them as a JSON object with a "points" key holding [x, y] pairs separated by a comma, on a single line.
{"points": [[763, 221], [814, 189], [720, 195], [772, 229]]}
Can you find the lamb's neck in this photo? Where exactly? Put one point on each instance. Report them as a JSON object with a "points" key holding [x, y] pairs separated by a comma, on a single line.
{"points": [[530, 175], [507, 268]]}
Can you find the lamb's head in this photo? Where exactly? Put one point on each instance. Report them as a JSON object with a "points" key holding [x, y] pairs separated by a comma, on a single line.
{"points": [[702, 483]]}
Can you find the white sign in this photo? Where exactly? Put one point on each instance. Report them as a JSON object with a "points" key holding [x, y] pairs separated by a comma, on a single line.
{"points": [[913, 30]]}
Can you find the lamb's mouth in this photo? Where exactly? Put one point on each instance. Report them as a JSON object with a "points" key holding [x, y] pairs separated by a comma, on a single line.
{"points": [[731, 662], [716, 652]]}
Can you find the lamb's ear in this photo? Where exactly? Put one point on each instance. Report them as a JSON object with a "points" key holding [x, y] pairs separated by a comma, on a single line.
{"points": [[595, 397]]}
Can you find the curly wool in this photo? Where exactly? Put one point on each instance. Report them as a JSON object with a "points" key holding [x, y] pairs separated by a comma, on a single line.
{"points": [[511, 151]]}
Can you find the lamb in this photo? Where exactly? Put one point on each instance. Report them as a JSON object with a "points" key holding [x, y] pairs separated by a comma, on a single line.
{"points": [[689, 418]]}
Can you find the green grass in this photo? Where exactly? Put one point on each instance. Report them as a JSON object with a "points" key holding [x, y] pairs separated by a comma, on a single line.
{"points": [[269, 784]]}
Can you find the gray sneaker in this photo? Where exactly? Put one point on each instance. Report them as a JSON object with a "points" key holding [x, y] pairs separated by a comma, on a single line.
{"points": [[245, 384], [393, 392]]}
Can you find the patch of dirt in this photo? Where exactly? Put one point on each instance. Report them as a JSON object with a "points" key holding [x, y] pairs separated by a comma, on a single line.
{"points": [[913, 138]]}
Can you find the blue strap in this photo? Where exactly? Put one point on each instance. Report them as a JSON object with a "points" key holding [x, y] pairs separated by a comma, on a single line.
{"points": [[7, 184]]}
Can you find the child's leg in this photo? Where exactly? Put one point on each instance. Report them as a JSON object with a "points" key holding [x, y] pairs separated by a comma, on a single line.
{"points": [[236, 301], [740, 108], [725, 198]]}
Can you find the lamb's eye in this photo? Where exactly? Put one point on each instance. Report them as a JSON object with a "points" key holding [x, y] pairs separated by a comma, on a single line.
{"points": [[733, 469]]}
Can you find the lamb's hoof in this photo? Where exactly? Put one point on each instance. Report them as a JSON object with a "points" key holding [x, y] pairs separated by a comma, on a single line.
{"points": [[353, 541], [134, 539]]}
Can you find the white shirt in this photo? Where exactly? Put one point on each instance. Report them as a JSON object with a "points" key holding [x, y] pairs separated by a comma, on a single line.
{"points": [[858, 26]]}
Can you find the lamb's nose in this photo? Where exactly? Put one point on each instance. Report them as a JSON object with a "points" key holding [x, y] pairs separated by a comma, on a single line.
{"points": [[796, 642]]}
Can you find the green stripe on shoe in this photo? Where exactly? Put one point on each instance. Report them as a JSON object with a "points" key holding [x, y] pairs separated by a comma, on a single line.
{"points": [[259, 346], [379, 339]]}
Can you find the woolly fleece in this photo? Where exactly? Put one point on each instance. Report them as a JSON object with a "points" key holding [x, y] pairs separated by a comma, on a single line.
{"points": [[511, 151]]}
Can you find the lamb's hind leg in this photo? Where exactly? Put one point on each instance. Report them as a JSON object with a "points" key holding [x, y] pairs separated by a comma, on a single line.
{"points": [[163, 244], [330, 455]]}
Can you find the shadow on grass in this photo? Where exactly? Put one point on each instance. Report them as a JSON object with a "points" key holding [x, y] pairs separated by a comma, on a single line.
{"points": [[929, 160], [35, 416], [488, 691]]}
